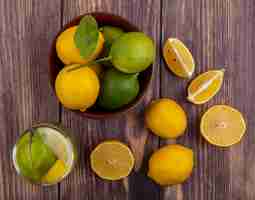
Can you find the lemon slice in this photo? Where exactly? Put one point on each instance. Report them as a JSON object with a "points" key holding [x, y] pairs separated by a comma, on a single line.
{"points": [[205, 86], [222, 125], [178, 58], [112, 160], [55, 173]]}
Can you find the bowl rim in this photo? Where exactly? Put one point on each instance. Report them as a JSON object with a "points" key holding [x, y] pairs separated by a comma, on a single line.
{"points": [[111, 114]]}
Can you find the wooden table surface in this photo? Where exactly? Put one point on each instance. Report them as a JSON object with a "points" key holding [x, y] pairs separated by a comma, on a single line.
{"points": [[220, 33]]}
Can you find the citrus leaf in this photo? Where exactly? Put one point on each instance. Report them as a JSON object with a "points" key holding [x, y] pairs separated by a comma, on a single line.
{"points": [[86, 36]]}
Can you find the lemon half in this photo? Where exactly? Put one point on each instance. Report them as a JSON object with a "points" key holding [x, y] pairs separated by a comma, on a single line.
{"points": [[222, 125], [112, 160]]}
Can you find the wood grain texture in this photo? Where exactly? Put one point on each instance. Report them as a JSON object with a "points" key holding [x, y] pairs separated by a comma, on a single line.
{"points": [[83, 183], [25, 95], [219, 34]]}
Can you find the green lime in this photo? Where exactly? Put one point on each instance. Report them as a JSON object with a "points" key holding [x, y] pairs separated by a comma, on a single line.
{"points": [[110, 34], [132, 52], [118, 89], [34, 158]]}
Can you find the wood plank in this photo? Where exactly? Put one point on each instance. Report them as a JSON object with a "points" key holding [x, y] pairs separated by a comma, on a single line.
{"points": [[83, 184], [25, 96], [219, 34]]}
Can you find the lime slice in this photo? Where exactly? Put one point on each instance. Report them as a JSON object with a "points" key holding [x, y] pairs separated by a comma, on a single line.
{"points": [[59, 144], [42, 156]]}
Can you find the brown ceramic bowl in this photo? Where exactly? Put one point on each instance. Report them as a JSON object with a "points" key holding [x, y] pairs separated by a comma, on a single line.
{"points": [[55, 65]]}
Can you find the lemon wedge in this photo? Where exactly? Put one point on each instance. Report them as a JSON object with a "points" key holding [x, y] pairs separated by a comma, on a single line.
{"points": [[178, 58], [205, 86]]}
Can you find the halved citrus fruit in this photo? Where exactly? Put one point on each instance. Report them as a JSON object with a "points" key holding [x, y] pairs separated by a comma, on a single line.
{"points": [[222, 125], [112, 160], [178, 58], [205, 86]]}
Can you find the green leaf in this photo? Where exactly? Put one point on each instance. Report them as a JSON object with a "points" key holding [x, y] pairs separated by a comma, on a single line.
{"points": [[86, 36]]}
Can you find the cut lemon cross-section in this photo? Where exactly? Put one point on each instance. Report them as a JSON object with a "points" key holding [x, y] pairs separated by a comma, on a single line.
{"points": [[178, 58], [112, 160], [205, 86], [222, 125]]}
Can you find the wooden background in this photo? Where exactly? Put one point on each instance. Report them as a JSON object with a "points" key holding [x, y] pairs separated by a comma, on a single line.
{"points": [[218, 32]]}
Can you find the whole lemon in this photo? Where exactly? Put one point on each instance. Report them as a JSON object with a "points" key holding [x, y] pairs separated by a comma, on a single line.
{"points": [[166, 118], [77, 89], [68, 53], [171, 164]]}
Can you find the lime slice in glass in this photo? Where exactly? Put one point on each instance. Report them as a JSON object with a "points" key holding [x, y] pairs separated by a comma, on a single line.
{"points": [[59, 144]]}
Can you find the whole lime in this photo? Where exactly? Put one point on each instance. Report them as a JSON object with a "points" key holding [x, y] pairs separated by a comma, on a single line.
{"points": [[132, 52], [110, 34], [118, 89]]}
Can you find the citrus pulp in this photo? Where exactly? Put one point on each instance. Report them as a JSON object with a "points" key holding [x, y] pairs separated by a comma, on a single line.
{"points": [[112, 160], [178, 58], [222, 125]]}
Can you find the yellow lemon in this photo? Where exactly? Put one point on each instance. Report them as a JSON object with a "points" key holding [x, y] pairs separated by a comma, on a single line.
{"points": [[166, 118], [112, 160], [78, 88], [55, 173], [178, 58], [171, 164], [205, 86], [222, 125], [68, 53]]}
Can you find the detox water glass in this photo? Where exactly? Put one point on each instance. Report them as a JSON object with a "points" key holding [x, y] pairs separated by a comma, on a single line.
{"points": [[45, 154]]}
